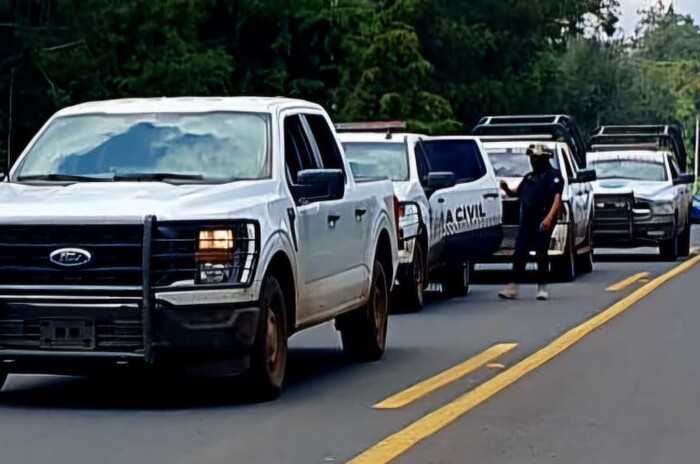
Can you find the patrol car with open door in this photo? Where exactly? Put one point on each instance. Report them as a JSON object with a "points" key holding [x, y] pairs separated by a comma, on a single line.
{"points": [[447, 186], [571, 247]]}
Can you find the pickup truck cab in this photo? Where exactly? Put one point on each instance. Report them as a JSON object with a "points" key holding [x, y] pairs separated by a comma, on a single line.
{"points": [[194, 235], [571, 247], [447, 187], [641, 199]]}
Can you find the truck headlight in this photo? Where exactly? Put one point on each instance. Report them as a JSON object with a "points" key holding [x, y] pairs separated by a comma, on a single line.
{"points": [[214, 256], [215, 239], [662, 207]]}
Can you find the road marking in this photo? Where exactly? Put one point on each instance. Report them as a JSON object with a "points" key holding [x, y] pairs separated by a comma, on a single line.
{"points": [[624, 283], [438, 381], [403, 440]]}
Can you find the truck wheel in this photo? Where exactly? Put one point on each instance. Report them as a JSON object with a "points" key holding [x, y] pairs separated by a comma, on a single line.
{"points": [[456, 280], [684, 241], [669, 249], [411, 288], [363, 331], [564, 267], [268, 356]]}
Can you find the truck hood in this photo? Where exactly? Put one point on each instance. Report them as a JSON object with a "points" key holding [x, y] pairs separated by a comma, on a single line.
{"points": [[132, 201], [644, 189]]}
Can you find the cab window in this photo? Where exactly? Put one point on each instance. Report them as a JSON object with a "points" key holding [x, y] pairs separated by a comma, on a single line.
{"points": [[461, 157], [325, 142], [567, 164], [298, 153], [673, 164], [422, 165]]}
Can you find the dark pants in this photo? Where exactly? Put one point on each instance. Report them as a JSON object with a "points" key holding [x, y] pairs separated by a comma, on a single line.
{"points": [[531, 238]]}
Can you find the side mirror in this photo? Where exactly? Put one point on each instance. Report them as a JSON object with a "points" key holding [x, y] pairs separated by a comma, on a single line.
{"points": [[321, 184], [586, 175], [684, 179], [440, 180]]}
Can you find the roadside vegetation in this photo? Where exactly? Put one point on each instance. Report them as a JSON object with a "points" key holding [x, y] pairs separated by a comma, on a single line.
{"points": [[438, 64]]}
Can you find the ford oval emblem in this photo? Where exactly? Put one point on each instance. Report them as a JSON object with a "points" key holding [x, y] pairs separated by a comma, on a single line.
{"points": [[70, 257]]}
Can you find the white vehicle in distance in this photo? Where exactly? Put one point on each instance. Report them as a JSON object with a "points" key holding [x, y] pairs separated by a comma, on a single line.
{"points": [[643, 196], [571, 247], [641, 199], [193, 235], [444, 184]]}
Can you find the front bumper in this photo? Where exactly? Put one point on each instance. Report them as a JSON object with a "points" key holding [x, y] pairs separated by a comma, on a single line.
{"points": [[186, 337], [648, 231], [81, 329]]}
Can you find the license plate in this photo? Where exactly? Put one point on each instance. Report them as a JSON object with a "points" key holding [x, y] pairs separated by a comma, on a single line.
{"points": [[75, 334]]}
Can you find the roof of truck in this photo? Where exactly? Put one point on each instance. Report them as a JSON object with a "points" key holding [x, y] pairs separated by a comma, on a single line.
{"points": [[187, 105]]}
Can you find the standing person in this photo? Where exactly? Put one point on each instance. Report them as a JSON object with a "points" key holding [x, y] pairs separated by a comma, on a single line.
{"points": [[540, 201]]}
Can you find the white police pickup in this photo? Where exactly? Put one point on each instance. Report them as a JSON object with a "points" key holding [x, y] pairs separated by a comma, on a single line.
{"points": [[641, 199], [194, 235], [571, 247], [450, 212]]}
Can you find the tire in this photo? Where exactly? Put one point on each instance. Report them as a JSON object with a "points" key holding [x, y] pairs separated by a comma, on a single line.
{"points": [[3, 379], [669, 249], [564, 267], [456, 280], [584, 262], [410, 296], [363, 331], [268, 356], [684, 241]]}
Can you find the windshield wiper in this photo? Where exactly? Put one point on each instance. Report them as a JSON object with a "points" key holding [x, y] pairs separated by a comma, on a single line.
{"points": [[156, 176], [62, 177]]}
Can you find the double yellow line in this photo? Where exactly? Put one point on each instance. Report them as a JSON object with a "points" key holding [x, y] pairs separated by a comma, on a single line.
{"points": [[403, 440]]}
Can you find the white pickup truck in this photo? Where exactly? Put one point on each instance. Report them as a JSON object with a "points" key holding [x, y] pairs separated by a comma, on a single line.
{"points": [[193, 235], [450, 206], [641, 199], [571, 247]]}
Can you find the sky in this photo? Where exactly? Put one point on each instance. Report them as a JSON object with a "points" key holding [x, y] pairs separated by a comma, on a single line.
{"points": [[629, 11]]}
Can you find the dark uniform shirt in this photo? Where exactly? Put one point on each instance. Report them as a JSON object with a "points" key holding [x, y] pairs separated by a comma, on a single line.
{"points": [[537, 191]]}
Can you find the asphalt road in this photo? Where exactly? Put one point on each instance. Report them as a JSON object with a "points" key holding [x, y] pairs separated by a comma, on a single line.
{"points": [[626, 393]]}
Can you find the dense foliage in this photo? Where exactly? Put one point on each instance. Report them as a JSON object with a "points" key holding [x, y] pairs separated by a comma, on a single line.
{"points": [[439, 64]]}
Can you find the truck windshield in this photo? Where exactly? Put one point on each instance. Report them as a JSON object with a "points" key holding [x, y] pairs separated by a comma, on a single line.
{"points": [[630, 169], [378, 159], [204, 147], [513, 162]]}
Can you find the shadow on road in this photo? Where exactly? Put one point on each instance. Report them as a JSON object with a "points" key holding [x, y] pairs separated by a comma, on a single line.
{"points": [[491, 276], [307, 366], [628, 258]]}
